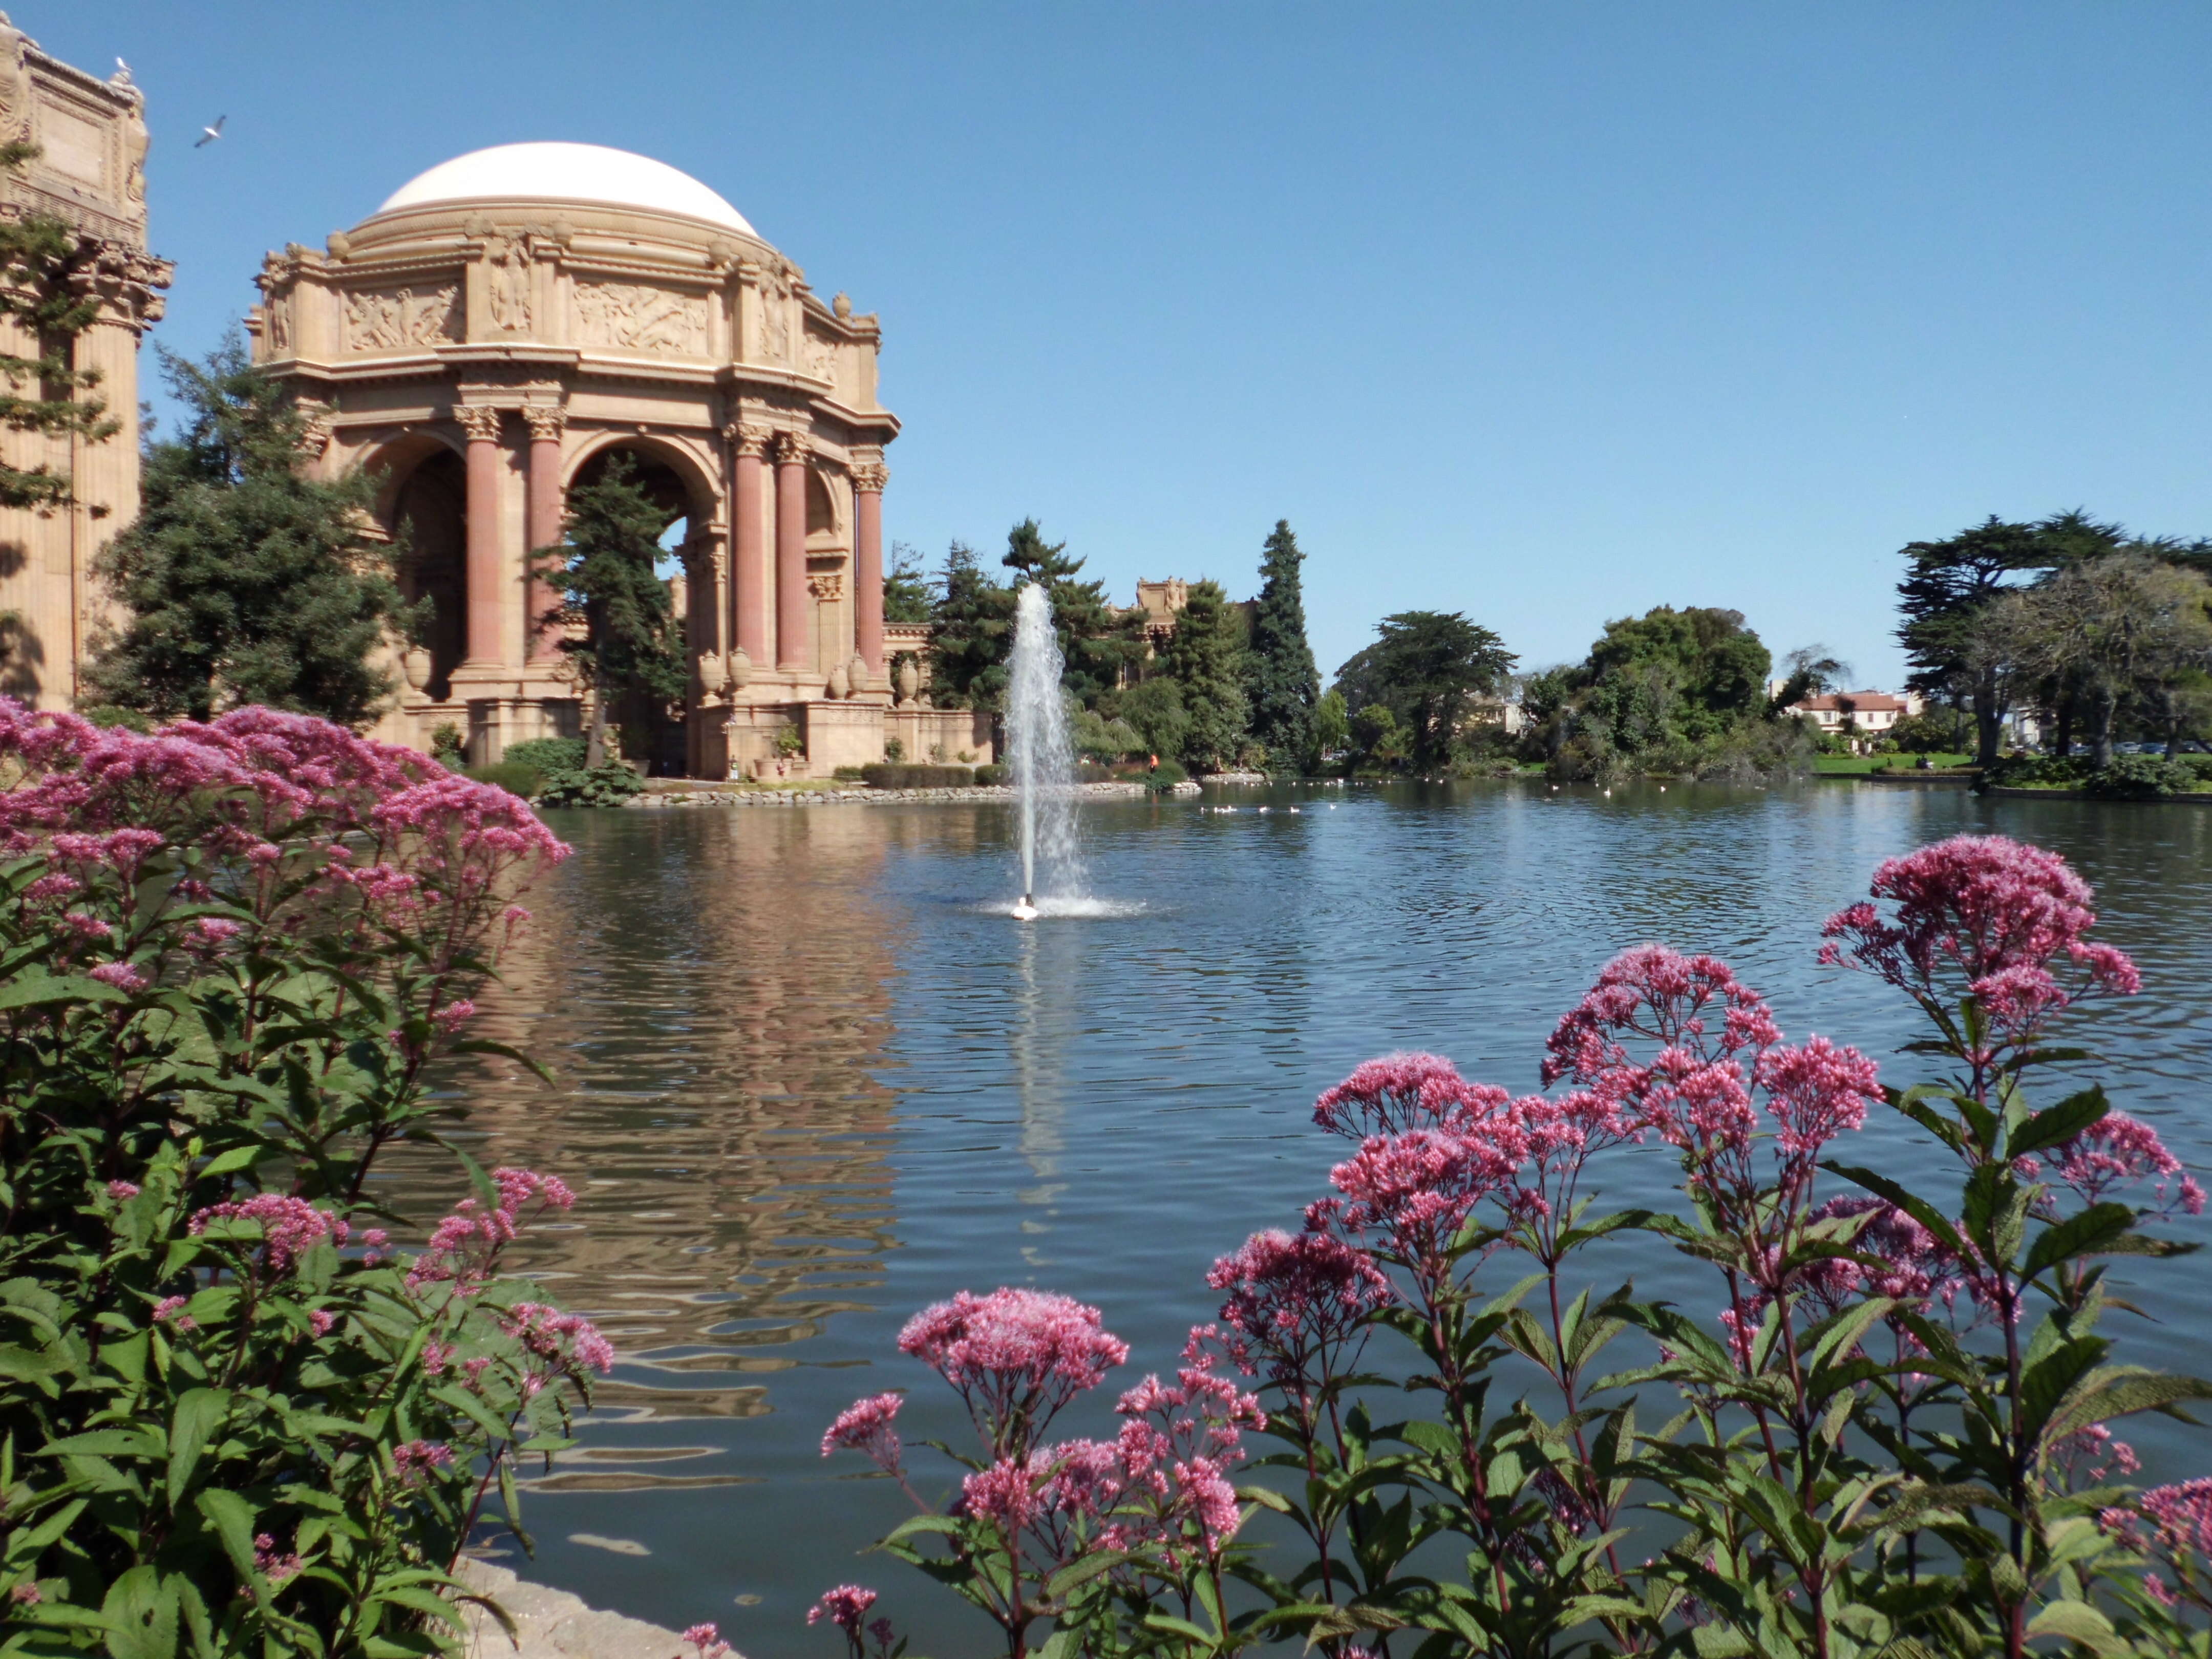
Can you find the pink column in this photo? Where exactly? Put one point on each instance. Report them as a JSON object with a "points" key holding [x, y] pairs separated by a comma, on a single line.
{"points": [[751, 550], [545, 515], [791, 596], [868, 481], [483, 583]]}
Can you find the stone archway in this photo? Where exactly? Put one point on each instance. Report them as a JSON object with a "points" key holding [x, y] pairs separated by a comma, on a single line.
{"points": [[429, 523]]}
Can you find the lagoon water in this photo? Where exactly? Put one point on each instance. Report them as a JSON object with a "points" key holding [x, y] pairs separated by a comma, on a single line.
{"points": [[810, 1078]]}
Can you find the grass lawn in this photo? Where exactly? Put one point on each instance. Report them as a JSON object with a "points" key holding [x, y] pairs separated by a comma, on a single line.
{"points": [[1859, 765]]}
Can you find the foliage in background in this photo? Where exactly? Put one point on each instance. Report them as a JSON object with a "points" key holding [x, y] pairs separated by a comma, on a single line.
{"points": [[1094, 644], [40, 257], [906, 586], [232, 1419], [244, 580], [631, 654], [1888, 1434], [971, 633], [1284, 683], [611, 783], [1204, 657], [1424, 670]]}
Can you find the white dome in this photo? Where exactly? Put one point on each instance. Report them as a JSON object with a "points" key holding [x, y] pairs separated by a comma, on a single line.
{"points": [[566, 173]]}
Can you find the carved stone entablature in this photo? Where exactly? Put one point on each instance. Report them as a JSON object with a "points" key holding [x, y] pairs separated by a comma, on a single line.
{"points": [[827, 585], [870, 476], [546, 424], [392, 319], [792, 447], [638, 318], [480, 423]]}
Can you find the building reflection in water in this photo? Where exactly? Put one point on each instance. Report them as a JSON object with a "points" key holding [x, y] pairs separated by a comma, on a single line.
{"points": [[712, 1001]]}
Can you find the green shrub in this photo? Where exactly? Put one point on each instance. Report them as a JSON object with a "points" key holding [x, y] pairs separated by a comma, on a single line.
{"points": [[108, 715], [846, 775], [894, 750], [2139, 777], [2035, 771], [448, 746], [609, 785], [550, 754], [2199, 767], [884, 775], [1164, 776], [512, 775], [993, 774]]}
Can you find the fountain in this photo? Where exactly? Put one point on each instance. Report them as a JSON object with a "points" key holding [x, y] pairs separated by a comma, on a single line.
{"points": [[1040, 755]]}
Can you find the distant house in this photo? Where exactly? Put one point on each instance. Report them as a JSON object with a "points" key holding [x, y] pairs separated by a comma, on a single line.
{"points": [[1861, 715]]}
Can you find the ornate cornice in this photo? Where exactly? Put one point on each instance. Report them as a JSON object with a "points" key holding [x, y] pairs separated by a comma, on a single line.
{"points": [[750, 438], [829, 584], [121, 280], [869, 478], [793, 448], [546, 424], [482, 424]]}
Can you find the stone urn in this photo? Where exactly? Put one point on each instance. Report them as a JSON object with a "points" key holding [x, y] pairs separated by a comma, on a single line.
{"points": [[415, 663], [840, 686], [856, 674], [738, 672], [909, 681]]}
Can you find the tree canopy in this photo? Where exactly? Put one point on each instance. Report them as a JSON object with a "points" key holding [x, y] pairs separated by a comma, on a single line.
{"points": [[1423, 667], [971, 633], [40, 257], [244, 580], [1205, 659], [1285, 685], [1093, 643], [906, 586]]}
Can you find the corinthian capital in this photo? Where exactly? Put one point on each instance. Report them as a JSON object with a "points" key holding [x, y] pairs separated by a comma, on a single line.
{"points": [[481, 424], [793, 448], [870, 478], [750, 438], [546, 423]]}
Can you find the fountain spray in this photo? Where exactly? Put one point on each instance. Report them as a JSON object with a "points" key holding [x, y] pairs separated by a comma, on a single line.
{"points": [[1042, 757]]}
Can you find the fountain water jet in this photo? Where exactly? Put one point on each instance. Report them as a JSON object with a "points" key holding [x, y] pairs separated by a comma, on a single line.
{"points": [[1041, 756]]}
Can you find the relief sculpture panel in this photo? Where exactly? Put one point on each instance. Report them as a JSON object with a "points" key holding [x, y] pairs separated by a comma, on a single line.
{"points": [[389, 319], [640, 318]]}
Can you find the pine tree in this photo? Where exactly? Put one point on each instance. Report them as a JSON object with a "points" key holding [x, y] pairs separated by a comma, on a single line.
{"points": [[971, 633], [1204, 657], [1094, 643], [906, 589], [1285, 685], [632, 652], [39, 254], [245, 581]]}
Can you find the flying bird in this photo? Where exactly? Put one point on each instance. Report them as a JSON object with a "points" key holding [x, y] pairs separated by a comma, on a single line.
{"points": [[209, 135]]}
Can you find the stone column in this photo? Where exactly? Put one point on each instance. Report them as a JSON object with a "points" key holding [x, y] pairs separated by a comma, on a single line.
{"points": [[752, 539], [545, 517], [792, 450], [868, 481], [483, 427]]}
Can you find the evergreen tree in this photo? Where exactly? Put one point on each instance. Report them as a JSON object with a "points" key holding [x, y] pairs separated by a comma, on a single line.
{"points": [[244, 580], [40, 254], [1204, 657], [1285, 685], [632, 652], [906, 589], [1948, 585], [971, 633], [1093, 642], [1422, 667]]}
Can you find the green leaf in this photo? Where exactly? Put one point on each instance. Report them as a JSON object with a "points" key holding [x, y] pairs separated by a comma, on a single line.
{"points": [[2062, 1122], [2085, 1234], [36, 991], [198, 1414], [2077, 1621], [141, 1611]]}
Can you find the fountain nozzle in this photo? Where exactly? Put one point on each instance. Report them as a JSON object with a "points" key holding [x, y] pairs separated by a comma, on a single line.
{"points": [[1026, 910]]}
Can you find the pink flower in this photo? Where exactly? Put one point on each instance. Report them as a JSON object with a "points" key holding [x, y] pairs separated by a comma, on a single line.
{"points": [[26, 1594], [708, 1639], [322, 1319], [1006, 1493], [121, 975], [276, 1569], [121, 1191], [569, 1342], [89, 928], [1815, 1092], [1399, 1092], [454, 1015], [2173, 1525], [2119, 1150], [169, 1310], [1412, 1192], [415, 1461], [1016, 1356], [1294, 1300], [289, 1226], [865, 1425], [845, 1607]]}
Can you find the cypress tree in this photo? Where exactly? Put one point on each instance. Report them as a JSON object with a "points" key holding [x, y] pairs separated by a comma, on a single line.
{"points": [[38, 255], [1205, 656], [245, 581], [1285, 685]]}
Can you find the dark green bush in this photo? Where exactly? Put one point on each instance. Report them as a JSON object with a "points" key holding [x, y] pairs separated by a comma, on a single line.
{"points": [[107, 717], [884, 775], [610, 785], [515, 777], [2139, 777], [1164, 776], [2030, 771], [2199, 767], [550, 754], [993, 774]]}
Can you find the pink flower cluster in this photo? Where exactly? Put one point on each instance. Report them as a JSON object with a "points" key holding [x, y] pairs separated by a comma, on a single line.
{"points": [[1292, 1300], [2173, 1525], [707, 1641], [845, 1607], [415, 1459], [2118, 1152], [278, 1569], [1015, 1356], [565, 1343], [867, 1426], [289, 1226], [1986, 916], [464, 1247]]}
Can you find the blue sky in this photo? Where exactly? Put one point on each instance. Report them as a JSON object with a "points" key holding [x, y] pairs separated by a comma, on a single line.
{"points": [[1548, 314]]}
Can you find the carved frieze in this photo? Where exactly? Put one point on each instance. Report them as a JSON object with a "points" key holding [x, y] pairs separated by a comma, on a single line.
{"points": [[821, 358], [828, 585], [506, 290], [774, 307], [392, 319], [639, 318]]}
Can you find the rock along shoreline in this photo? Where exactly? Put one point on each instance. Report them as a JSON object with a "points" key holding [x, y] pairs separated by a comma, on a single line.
{"points": [[552, 1624], [715, 795]]}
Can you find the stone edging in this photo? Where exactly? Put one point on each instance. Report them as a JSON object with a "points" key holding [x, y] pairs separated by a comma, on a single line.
{"points": [[2193, 798], [551, 1624], [711, 796]]}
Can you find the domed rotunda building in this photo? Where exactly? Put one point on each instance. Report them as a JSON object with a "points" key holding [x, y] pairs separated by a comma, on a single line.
{"points": [[508, 323]]}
